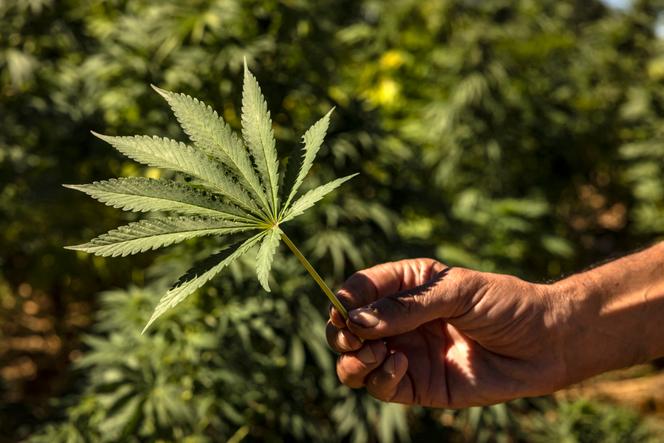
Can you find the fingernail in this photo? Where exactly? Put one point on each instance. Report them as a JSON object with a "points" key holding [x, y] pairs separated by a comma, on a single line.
{"points": [[343, 339], [366, 355], [390, 365], [363, 317]]}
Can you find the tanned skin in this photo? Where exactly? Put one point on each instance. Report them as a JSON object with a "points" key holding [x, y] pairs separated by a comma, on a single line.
{"points": [[423, 333]]}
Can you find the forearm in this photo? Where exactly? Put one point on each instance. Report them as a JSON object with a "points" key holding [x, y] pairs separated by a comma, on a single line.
{"points": [[612, 316]]}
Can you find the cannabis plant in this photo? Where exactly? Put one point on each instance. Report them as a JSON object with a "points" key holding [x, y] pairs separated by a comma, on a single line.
{"points": [[235, 191]]}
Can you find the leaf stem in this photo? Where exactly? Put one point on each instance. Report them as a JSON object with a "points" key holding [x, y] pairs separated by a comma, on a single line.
{"points": [[333, 298]]}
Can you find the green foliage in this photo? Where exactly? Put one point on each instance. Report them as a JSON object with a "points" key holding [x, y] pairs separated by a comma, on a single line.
{"points": [[265, 255], [313, 139], [257, 133], [512, 136], [196, 377], [200, 274], [583, 421], [312, 197], [225, 168], [170, 154], [156, 233], [146, 195]]}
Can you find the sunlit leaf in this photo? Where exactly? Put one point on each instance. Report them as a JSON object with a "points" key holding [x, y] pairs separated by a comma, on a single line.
{"points": [[243, 190]]}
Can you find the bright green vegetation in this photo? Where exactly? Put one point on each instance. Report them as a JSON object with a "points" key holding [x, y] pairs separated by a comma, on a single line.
{"points": [[236, 194], [517, 136]]}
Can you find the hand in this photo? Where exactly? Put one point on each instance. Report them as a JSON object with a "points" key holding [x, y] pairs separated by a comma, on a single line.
{"points": [[423, 333]]}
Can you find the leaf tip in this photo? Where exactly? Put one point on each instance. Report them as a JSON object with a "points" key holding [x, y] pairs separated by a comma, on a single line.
{"points": [[106, 138], [82, 247], [148, 324], [247, 73], [164, 93], [155, 315]]}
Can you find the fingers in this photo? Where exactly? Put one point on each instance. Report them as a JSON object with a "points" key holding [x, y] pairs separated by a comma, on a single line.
{"points": [[341, 340], [394, 298], [354, 367], [385, 279], [388, 383], [358, 290], [336, 318], [442, 293], [370, 284], [383, 375], [382, 280]]}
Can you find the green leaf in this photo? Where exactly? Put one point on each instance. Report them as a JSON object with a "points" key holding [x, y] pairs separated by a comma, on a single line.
{"points": [[170, 154], [257, 133], [156, 233], [210, 133], [312, 197], [141, 194], [200, 122], [265, 256], [243, 178], [198, 275], [313, 139]]}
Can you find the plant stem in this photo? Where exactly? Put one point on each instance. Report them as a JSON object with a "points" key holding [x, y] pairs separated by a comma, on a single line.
{"points": [[333, 298]]}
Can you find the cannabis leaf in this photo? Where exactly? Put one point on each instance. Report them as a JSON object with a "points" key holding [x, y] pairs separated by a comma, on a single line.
{"points": [[235, 193]]}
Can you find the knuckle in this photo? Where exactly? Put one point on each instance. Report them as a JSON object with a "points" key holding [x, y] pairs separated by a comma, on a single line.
{"points": [[462, 274], [355, 289], [465, 280], [330, 332], [376, 390], [349, 373], [337, 319], [468, 275], [431, 267], [358, 277], [333, 335], [342, 374]]}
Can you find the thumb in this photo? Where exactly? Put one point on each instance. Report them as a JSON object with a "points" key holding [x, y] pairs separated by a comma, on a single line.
{"points": [[448, 294]]}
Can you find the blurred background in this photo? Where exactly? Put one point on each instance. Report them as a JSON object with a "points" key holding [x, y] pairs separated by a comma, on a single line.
{"points": [[522, 137]]}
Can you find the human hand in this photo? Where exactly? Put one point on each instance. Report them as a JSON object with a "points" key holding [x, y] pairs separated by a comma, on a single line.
{"points": [[423, 333]]}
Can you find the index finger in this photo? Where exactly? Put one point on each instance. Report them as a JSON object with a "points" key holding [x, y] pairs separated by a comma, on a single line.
{"points": [[352, 295], [368, 285], [336, 318]]}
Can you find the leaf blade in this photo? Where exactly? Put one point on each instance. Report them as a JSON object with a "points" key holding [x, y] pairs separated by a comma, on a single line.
{"points": [[258, 135], [198, 275], [313, 139], [209, 132], [265, 255], [199, 121], [170, 154], [141, 194], [156, 233], [312, 197]]}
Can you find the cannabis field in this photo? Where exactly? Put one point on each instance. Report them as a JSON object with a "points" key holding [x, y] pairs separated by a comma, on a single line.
{"points": [[522, 137]]}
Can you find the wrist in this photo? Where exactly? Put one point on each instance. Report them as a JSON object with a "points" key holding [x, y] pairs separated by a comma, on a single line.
{"points": [[599, 326], [570, 299], [562, 299]]}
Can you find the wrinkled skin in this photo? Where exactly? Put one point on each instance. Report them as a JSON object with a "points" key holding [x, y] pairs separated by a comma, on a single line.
{"points": [[447, 337]]}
